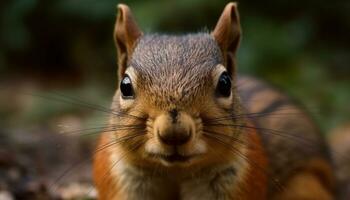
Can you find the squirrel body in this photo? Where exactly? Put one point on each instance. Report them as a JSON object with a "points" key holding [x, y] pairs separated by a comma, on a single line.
{"points": [[186, 126]]}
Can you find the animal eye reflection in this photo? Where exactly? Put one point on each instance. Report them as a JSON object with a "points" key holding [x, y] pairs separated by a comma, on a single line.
{"points": [[223, 88], [126, 88]]}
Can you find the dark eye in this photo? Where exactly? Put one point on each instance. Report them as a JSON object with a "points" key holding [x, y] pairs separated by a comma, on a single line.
{"points": [[223, 88], [126, 88]]}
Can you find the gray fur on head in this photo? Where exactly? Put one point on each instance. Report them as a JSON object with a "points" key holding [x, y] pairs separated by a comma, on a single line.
{"points": [[175, 63]]}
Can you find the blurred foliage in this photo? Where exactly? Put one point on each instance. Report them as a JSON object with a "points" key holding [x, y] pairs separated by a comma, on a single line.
{"points": [[300, 46]]}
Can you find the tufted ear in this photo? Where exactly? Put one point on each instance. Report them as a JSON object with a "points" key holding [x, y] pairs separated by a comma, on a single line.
{"points": [[227, 34], [126, 34]]}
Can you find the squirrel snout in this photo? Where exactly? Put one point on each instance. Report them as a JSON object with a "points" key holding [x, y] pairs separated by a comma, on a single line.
{"points": [[174, 132]]}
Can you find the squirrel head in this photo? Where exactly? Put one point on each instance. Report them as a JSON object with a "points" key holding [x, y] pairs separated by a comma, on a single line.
{"points": [[177, 86]]}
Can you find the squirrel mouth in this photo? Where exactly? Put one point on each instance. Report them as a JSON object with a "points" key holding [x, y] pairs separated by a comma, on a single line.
{"points": [[172, 158], [176, 158]]}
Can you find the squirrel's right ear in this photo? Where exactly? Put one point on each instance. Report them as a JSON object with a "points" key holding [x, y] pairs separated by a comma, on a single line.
{"points": [[227, 34], [126, 34]]}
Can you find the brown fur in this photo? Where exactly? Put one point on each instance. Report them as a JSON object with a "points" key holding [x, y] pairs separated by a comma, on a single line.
{"points": [[126, 34], [176, 73], [105, 183], [254, 185], [303, 144]]}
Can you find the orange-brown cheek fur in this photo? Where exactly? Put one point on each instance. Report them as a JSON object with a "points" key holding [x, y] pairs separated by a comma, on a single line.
{"points": [[254, 183], [105, 184]]}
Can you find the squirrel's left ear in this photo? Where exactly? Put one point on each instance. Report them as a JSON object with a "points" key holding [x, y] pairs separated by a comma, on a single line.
{"points": [[126, 34], [227, 34]]}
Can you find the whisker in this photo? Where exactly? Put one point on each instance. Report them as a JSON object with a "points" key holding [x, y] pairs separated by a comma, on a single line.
{"points": [[70, 100], [104, 129], [277, 184], [272, 131], [256, 115], [309, 143], [117, 161], [101, 148], [234, 139], [108, 130], [95, 106]]}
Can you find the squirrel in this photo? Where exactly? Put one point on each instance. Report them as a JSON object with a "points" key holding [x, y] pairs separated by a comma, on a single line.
{"points": [[185, 125]]}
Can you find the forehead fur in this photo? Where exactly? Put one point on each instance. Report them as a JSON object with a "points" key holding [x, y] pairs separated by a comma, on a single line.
{"points": [[184, 52], [173, 66]]}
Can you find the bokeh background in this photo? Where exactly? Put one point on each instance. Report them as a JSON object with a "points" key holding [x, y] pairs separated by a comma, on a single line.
{"points": [[56, 54]]}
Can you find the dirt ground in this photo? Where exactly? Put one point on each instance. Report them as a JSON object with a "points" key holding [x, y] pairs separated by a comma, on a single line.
{"points": [[44, 166]]}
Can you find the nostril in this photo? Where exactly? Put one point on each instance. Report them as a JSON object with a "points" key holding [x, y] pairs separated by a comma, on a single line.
{"points": [[174, 139]]}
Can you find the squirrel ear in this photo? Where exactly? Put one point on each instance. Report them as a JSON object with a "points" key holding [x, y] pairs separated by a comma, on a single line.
{"points": [[126, 34], [227, 34]]}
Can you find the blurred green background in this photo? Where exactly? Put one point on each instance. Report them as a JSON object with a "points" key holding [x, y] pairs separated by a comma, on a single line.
{"points": [[67, 46]]}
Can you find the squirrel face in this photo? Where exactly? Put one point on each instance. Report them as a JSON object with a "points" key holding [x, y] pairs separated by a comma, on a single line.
{"points": [[176, 86]]}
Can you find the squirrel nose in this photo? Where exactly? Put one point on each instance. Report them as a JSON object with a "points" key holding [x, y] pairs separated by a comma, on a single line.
{"points": [[174, 136], [174, 128]]}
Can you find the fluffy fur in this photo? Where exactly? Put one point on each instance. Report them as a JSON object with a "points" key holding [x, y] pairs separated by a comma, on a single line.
{"points": [[229, 154]]}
